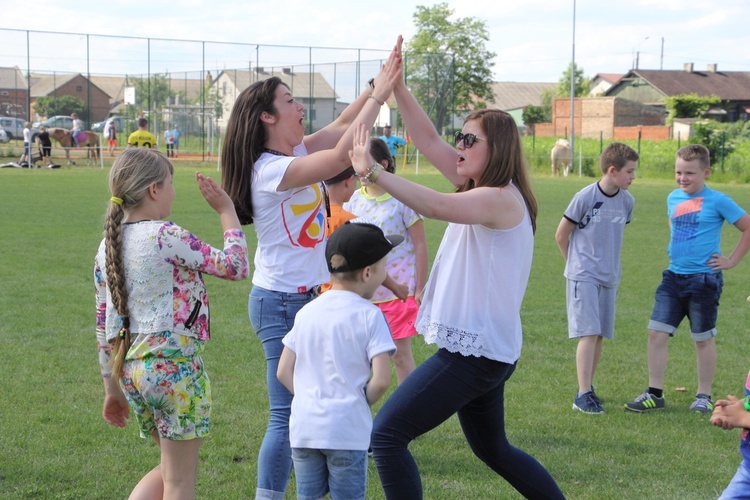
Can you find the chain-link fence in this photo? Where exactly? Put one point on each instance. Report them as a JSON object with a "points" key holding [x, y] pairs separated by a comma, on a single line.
{"points": [[193, 84]]}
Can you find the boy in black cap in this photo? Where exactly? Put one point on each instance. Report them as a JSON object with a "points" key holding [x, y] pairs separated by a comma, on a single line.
{"points": [[326, 363]]}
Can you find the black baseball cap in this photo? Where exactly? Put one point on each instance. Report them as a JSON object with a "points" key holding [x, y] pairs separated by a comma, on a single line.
{"points": [[361, 244]]}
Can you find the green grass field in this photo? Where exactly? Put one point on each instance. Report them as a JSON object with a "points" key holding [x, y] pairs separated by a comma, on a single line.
{"points": [[54, 443]]}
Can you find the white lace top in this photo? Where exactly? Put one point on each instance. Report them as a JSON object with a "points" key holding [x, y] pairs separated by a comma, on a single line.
{"points": [[472, 301], [166, 293]]}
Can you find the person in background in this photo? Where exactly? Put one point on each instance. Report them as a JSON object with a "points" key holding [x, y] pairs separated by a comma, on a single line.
{"points": [[590, 239], [176, 134], [393, 141], [45, 143], [77, 129], [407, 263], [142, 137], [169, 140], [692, 284]]}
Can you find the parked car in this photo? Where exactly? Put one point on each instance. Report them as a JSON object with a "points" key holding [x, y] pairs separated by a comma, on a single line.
{"points": [[123, 124], [13, 126], [59, 121], [3, 136]]}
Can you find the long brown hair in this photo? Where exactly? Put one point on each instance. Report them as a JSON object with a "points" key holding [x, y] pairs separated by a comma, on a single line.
{"points": [[134, 170], [506, 161], [245, 138]]}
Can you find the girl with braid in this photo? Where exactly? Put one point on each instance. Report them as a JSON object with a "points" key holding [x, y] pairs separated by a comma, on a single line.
{"points": [[152, 317]]}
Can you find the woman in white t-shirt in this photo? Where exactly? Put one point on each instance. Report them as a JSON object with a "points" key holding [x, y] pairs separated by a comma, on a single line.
{"points": [[472, 301], [274, 174]]}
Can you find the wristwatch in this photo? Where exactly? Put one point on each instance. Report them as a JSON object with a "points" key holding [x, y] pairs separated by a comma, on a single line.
{"points": [[371, 84]]}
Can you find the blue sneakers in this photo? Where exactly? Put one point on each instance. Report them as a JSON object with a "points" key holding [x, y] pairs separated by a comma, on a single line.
{"points": [[588, 403]]}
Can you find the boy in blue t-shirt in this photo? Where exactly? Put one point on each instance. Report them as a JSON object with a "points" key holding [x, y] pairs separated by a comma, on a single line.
{"points": [[692, 284], [590, 239]]}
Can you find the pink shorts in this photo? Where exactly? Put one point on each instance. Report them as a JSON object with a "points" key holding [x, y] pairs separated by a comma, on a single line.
{"points": [[401, 317]]}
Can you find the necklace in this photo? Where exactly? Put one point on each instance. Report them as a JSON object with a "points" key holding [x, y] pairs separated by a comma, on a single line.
{"points": [[274, 152]]}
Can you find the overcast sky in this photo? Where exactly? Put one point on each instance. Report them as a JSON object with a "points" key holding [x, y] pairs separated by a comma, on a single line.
{"points": [[532, 39]]}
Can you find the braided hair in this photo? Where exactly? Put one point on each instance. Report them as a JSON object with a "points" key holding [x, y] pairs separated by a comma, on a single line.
{"points": [[132, 173]]}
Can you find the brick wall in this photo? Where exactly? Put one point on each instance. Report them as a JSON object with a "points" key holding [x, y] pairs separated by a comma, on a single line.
{"points": [[608, 117]]}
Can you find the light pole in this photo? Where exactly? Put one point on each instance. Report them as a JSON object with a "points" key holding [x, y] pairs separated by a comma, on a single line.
{"points": [[573, 91], [638, 51]]}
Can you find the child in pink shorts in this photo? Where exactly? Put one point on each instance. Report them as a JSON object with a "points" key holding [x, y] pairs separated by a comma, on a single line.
{"points": [[406, 263]]}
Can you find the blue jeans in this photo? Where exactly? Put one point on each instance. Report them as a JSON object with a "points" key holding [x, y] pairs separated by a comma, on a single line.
{"points": [[445, 384], [693, 295], [342, 472], [272, 316], [739, 486]]}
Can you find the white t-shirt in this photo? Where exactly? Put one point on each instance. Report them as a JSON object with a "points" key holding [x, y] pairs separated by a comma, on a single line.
{"points": [[393, 217], [290, 225], [472, 300], [334, 338]]}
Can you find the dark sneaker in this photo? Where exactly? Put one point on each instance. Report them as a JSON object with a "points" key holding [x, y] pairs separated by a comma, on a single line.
{"points": [[587, 403], [645, 403], [702, 404], [596, 397]]}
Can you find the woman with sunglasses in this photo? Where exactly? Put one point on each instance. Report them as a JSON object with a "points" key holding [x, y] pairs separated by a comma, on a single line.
{"points": [[274, 174], [472, 300]]}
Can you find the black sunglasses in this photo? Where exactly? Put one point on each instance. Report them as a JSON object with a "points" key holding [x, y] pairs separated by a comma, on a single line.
{"points": [[469, 139]]}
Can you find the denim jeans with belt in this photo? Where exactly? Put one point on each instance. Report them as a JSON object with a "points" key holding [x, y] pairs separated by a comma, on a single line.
{"points": [[445, 384], [272, 316]]}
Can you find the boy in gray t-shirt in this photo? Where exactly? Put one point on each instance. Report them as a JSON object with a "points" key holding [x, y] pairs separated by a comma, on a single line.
{"points": [[590, 238]]}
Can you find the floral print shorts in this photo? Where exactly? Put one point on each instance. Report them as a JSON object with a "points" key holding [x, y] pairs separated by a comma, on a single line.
{"points": [[169, 395]]}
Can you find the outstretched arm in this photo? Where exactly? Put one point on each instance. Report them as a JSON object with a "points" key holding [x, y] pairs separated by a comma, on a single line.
{"points": [[422, 132], [496, 208]]}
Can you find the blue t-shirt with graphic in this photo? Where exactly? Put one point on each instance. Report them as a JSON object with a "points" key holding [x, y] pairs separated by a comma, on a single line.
{"points": [[696, 221]]}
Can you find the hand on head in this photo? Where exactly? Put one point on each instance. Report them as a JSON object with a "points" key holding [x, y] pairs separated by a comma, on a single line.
{"points": [[360, 152]]}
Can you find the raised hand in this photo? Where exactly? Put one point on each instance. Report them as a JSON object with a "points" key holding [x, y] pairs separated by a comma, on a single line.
{"points": [[360, 152], [214, 195]]}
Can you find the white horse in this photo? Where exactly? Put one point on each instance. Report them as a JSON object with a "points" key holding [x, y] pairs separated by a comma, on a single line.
{"points": [[562, 158]]}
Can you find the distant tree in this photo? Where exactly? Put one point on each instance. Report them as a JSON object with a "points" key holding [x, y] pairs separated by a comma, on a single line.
{"points": [[63, 105], [713, 135], [533, 115], [582, 85], [151, 93], [689, 106], [448, 63]]}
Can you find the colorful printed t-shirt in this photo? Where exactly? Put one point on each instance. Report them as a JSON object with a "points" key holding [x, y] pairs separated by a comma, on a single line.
{"points": [[290, 256], [696, 221]]}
